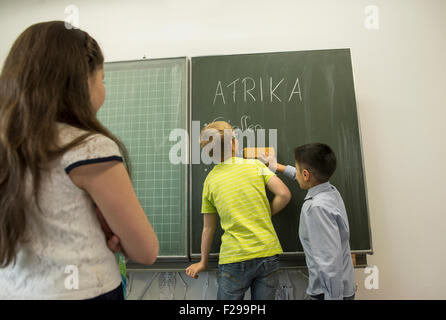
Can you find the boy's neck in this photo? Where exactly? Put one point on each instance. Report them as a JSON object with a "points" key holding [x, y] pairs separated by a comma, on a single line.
{"points": [[229, 157], [313, 183]]}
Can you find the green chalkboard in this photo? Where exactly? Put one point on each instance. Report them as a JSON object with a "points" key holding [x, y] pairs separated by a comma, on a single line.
{"points": [[307, 97], [145, 101]]}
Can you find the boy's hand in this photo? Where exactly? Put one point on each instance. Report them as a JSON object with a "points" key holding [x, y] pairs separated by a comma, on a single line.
{"points": [[269, 161], [194, 269]]}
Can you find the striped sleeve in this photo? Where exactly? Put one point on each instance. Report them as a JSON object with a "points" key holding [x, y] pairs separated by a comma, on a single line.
{"points": [[95, 149], [264, 171]]}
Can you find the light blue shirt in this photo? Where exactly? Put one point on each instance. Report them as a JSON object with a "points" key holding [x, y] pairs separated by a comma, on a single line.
{"points": [[324, 234]]}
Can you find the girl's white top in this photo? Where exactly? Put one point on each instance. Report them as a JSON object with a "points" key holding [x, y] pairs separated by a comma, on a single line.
{"points": [[66, 256]]}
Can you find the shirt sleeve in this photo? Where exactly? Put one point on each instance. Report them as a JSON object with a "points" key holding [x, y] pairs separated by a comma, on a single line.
{"points": [[264, 171], [325, 242], [207, 203], [290, 172], [95, 149]]}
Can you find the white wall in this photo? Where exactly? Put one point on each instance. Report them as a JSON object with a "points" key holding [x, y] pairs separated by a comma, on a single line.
{"points": [[400, 79]]}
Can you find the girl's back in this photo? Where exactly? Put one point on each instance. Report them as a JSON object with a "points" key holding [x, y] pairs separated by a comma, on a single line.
{"points": [[64, 234]]}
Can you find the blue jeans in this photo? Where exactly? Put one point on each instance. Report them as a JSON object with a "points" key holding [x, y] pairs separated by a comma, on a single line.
{"points": [[260, 274]]}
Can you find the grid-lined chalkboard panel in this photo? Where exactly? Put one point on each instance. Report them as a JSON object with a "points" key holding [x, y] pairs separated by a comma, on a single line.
{"points": [[145, 101]]}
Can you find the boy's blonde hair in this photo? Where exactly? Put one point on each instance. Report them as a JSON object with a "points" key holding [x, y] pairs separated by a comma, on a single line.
{"points": [[215, 130]]}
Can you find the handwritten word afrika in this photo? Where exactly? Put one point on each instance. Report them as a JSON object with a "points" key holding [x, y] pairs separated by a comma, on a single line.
{"points": [[256, 91]]}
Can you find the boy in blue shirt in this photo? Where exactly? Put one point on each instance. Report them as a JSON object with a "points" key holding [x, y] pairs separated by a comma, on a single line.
{"points": [[323, 228]]}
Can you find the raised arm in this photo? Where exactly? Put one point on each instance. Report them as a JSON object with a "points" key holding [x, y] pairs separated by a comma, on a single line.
{"points": [[274, 166], [110, 187]]}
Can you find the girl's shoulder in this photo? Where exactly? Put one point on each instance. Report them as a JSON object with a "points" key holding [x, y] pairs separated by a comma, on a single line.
{"points": [[68, 134], [94, 148]]}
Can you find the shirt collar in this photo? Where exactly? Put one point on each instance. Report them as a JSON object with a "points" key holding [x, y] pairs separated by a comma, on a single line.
{"points": [[323, 187], [231, 160]]}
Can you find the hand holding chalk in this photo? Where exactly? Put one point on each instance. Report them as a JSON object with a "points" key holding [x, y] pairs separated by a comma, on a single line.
{"points": [[269, 160]]}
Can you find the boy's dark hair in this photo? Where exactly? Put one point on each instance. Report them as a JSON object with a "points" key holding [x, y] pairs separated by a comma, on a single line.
{"points": [[318, 158]]}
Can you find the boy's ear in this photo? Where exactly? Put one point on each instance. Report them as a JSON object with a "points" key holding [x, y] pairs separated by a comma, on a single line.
{"points": [[306, 174]]}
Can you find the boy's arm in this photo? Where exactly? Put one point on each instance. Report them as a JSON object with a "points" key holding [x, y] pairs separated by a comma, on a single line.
{"points": [[282, 194], [274, 166], [326, 251], [209, 226], [288, 171]]}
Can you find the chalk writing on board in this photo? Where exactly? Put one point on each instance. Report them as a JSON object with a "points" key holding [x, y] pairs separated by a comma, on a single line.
{"points": [[254, 135], [243, 123], [256, 90]]}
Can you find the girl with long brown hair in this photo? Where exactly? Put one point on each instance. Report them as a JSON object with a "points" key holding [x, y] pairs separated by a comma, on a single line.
{"points": [[57, 163]]}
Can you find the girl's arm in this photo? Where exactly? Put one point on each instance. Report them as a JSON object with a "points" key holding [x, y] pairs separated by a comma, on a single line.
{"points": [[113, 242], [282, 194], [109, 186], [209, 226]]}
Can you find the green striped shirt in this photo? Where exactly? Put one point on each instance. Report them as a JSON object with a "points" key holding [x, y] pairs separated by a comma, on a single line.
{"points": [[235, 190]]}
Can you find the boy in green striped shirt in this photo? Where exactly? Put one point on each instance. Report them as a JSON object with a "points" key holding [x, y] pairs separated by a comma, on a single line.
{"points": [[235, 190]]}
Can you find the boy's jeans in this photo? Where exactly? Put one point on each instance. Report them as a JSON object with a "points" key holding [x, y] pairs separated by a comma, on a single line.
{"points": [[261, 274]]}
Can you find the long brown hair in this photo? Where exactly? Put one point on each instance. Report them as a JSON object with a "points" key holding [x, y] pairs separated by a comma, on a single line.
{"points": [[44, 81]]}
